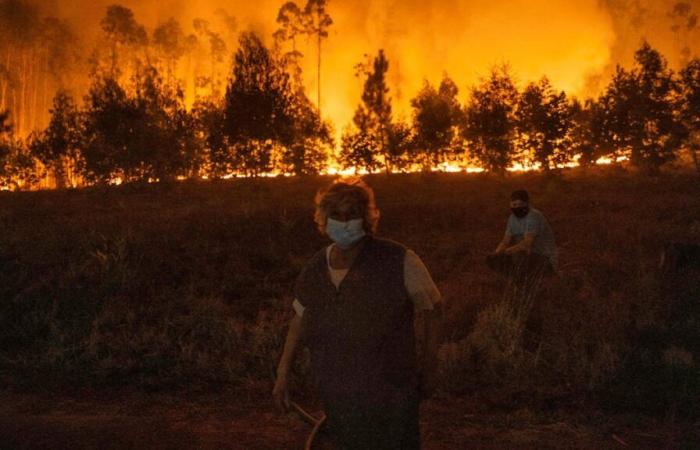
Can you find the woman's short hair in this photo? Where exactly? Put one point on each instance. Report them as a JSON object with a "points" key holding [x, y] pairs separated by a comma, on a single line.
{"points": [[347, 190]]}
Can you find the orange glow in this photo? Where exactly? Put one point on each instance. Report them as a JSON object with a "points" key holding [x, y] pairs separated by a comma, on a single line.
{"points": [[575, 43]]}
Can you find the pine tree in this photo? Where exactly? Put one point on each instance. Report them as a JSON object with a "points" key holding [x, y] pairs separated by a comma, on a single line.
{"points": [[544, 120], [436, 118], [638, 116], [490, 124]]}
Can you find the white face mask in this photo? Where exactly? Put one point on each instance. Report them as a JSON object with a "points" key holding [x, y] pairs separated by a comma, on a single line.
{"points": [[345, 234]]}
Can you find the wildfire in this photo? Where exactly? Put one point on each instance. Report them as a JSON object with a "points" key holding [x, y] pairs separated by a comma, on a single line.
{"points": [[446, 167]]}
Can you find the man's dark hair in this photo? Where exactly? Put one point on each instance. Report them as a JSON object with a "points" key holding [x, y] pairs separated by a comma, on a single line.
{"points": [[520, 194]]}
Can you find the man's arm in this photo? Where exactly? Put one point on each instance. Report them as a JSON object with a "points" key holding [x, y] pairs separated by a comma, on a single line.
{"points": [[429, 346], [280, 391], [523, 246], [505, 242]]}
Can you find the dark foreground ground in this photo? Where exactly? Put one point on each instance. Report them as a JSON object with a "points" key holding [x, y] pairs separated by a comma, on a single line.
{"points": [[124, 310], [135, 421]]}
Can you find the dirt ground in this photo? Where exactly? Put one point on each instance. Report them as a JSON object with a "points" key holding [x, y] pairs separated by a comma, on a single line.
{"points": [[89, 420]]}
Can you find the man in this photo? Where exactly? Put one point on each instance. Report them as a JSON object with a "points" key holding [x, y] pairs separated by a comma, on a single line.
{"points": [[528, 249], [355, 306]]}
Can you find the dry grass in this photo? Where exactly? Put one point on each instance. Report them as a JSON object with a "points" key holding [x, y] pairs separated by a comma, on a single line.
{"points": [[190, 283]]}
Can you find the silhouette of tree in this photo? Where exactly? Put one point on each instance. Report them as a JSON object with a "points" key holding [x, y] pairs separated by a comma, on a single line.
{"points": [[147, 136], [358, 150], [17, 167], [690, 107], [372, 119], [490, 124], [318, 21], [58, 146], [217, 55], [292, 24], [121, 32], [683, 22], [258, 107], [20, 31], [164, 138], [400, 146], [436, 118], [639, 117], [307, 151], [209, 119], [584, 137], [5, 127], [543, 117], [169, 41]]}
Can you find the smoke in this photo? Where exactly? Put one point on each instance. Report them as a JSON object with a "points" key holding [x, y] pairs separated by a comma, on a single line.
{"points": [[576, 43]]}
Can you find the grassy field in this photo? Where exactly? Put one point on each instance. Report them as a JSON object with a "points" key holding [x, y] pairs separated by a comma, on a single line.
{"points": [[159, 289]]}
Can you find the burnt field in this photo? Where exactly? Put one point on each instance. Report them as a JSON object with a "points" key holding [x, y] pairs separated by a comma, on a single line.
{"points": [[161, 309]]}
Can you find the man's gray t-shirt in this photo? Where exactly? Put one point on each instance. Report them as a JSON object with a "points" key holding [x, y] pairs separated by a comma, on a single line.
{"points": [[537, 224]]}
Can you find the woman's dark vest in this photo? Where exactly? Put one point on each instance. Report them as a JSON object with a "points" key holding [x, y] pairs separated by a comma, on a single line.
{"points": [[361, 335]]}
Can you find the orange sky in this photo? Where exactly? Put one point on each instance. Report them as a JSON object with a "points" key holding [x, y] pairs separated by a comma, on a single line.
{"points": [[569, 41]]}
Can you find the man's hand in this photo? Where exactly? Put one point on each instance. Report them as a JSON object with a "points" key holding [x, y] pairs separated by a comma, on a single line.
{"points": [[281, 393]]}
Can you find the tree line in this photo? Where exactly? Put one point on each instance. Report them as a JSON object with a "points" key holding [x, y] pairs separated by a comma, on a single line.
{"points": [[647, 114], [133, 123]]}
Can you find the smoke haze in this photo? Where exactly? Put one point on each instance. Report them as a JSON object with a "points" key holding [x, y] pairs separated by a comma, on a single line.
{"points": [[575, 43]]}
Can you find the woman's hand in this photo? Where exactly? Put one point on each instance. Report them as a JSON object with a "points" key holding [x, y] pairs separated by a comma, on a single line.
{"points": [[280, 393]]}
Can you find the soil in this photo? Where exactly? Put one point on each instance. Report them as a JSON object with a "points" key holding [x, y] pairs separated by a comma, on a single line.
{"points": [[92, 420]]}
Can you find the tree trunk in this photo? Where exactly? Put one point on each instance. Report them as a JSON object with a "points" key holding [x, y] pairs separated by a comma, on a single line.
{"points": [[694, 149], [32, 110], [114, 59], [6, 83], [45, 87], [318, 74], [22, 114]]}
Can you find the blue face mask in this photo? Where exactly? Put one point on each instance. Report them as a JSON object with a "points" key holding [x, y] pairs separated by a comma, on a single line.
{"points": [[344, 234]]}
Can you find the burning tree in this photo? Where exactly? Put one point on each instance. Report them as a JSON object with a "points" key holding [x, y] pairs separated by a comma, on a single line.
{"points": [[169, 41], [683, 22], [123, 35], [491, 124], [365, 142], [544, 120], [263, 113], [37, 56], [638, 116], [292, 24], [437, 116], [58, 146], [690, 107], [147, 135], [17, 166], [317, 23], [585, 133]]}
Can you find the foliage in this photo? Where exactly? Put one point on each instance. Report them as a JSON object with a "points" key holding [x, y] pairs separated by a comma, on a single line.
{"points": [[437, 116], [189, 285], [58, 146], [490, 124], [544, 122], [366, 142], [147, 135], [690, 107], [638, 111]]}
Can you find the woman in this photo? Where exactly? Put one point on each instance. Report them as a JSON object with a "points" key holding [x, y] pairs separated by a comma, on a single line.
{"points": [[355, 303]]}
